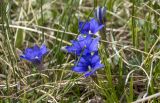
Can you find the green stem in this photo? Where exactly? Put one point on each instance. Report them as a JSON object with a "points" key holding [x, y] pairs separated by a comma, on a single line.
{"points": [[43, 37]]}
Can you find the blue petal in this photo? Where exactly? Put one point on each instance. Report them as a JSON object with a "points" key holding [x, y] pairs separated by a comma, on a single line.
{"points": [[29, 53], [98, 28], [84, 27], [43, 49], [90, 73], [74, 48], [26, 58], [95, 59], [83, 61], [94, 26], [98, 65], [37, 52], [36, 48], [86, 51], [76, 45], [94, 44], [69, 49], [80, 69], [85, 42], [80, 64]]}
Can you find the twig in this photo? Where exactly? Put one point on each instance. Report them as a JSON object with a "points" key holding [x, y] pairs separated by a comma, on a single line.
{"points": [[147, 98]]}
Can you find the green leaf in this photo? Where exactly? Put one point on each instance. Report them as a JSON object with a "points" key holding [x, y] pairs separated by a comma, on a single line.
{"points": [[19, 38]]}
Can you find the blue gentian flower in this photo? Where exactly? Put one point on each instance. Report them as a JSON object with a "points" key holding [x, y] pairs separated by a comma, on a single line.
{"points": [[88, 64], [35, 54], [90, 27], [83, 45], [100, 13]]}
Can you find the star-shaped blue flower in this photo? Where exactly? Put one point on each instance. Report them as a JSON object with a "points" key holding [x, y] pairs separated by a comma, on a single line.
{"points": [[83, 45], [88, 64], [34, 54], [90, 27]]}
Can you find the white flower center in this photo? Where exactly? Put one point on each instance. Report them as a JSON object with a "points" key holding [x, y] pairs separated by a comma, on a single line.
{"points": [[92, 53], [90, 32], [89, 67], [36, 57]]}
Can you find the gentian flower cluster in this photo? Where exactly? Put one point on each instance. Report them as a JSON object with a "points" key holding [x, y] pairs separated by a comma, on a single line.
{"points": [[86, 48], [34, 54]]}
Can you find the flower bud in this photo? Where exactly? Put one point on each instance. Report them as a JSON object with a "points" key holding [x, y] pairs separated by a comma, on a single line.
{"points": [[99, 14]]}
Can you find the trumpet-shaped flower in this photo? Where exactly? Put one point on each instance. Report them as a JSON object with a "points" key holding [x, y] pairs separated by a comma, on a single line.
{"points": [[84, 45], [88, 64], [34, 54], [90, 27]]}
